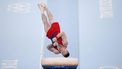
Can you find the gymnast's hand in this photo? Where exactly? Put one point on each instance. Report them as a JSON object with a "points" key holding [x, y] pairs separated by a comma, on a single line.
{"points": [[55, 44], [54, 39]]}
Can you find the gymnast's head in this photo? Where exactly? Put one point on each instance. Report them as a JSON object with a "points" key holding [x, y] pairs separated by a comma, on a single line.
{"points": [[65, 53]]}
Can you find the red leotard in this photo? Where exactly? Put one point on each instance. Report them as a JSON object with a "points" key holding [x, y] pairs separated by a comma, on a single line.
{"points": [[54, 31]]}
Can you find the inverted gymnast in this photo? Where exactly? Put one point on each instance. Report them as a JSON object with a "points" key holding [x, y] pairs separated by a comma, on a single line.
{"points": [[52, 29]]}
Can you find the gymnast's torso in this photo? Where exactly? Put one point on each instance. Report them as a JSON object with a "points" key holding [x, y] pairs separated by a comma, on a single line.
{"points": [[53, 31]]}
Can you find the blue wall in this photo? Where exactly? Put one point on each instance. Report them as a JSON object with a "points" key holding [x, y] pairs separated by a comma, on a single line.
{"points": [[100, 39], [20, 34]]}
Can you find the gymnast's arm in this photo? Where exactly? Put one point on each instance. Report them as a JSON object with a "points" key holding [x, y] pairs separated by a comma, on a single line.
{"points": [[58, 36]]}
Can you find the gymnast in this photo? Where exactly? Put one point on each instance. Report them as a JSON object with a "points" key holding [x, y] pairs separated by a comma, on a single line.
{"points": [[52, 30]]}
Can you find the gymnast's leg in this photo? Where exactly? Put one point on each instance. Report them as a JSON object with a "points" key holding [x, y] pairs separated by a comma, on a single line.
{"points": [[49, 15], [44, 18]]}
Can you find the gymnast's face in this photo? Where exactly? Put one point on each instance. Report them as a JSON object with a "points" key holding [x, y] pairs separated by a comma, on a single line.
{"points": [[62, 48], [65, 53]]}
